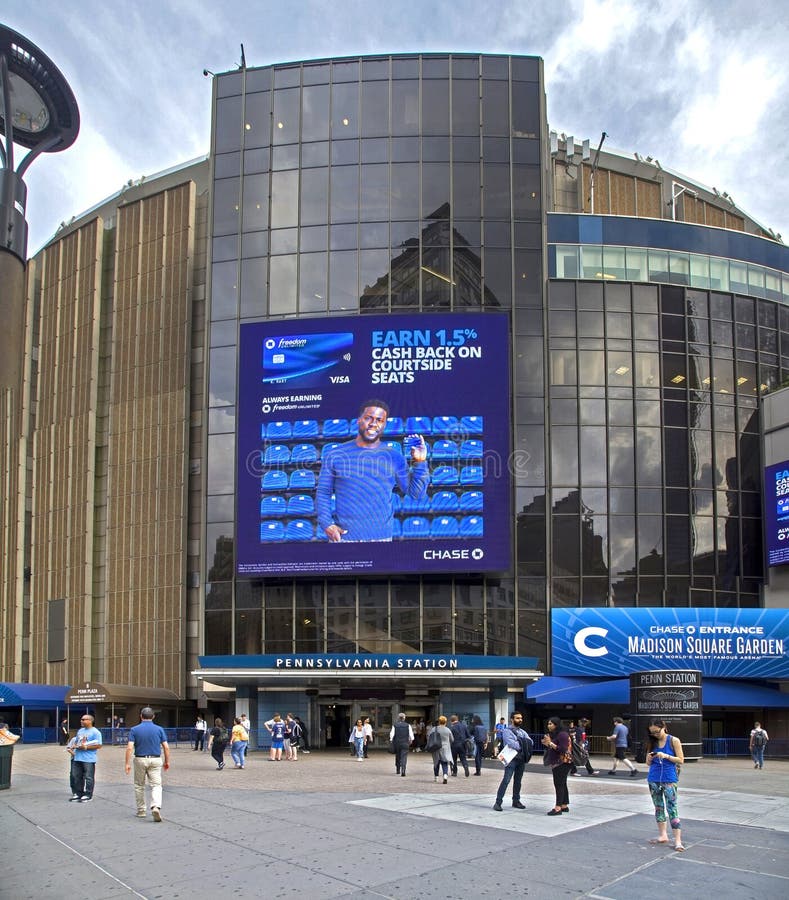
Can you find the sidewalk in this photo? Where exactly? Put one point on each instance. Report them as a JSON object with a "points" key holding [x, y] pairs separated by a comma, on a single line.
{"points": [[327, 826]]}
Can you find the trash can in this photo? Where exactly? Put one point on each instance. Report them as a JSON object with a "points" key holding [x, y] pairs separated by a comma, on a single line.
{"points": [[6, 755]]}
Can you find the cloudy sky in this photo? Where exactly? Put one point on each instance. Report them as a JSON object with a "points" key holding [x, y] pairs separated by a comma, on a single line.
{"points": [[703, 85]]}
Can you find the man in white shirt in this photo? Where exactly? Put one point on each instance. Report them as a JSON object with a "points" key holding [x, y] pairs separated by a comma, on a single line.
{"points": [[758, 742]]}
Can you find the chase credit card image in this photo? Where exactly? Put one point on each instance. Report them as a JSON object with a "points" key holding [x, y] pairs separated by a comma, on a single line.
{"points": [[306, 358]]}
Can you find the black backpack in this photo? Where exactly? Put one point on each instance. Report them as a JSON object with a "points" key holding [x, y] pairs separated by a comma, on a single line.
{"points": [[433, 741], [759, 738], [223, 735], [527, 747]]}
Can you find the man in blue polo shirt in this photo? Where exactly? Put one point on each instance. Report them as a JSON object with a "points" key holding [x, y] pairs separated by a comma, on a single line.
{"points": [[146, 743], [83, 749]]}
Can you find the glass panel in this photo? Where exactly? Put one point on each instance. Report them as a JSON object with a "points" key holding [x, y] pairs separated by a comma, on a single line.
{"points": [[435, 107], [224, 290], [254, 274], [435, 191], [636, 264], [226, 206], [226, 165], [313, 274], [699, 270], [282, 292], [496, 107], [564, 455], [405, 107], [315, 113], [466, 191], [228, 124], [286, 116], [465, 107], [222, 420], [563, 367], [343, 281], [375, 193], [592, 263], [593, 460], [614, 263], [621, 461], [719, 274], [405, 191], [284, 199], [220, 476], [345, 111], [344, 193]]}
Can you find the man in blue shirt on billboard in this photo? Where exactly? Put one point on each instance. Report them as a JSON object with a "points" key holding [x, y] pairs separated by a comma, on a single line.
{"points": [[83, 749], [362, 475], [146, 743]]}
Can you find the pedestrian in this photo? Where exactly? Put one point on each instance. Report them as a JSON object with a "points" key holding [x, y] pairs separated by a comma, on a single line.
{"points": [[558, 749], [247, 725], [368, 735], [217, 741], [420, 735], [304, 742], [146, 744], [580, 749], [401, 736], [619, 740], [664, 757], [295, 736], [201, 726], [276, 728], [517, 749], [356, 740], [63, 732], [480, 734], [500, 726], [239, 740], [757, 745], [439, 743], [83, 748], [6, 735], [460, 734]]}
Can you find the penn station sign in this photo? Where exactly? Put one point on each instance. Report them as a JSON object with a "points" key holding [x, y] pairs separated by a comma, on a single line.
{"points": [[345, 663], [722, 643]]}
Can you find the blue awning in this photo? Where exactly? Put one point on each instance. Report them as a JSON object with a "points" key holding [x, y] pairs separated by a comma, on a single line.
{"points": [[726, 692], [563, 689], [33, 696]]}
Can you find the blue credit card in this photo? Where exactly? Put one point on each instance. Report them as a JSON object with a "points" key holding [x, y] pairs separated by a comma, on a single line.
{"points": [[306, 357]]}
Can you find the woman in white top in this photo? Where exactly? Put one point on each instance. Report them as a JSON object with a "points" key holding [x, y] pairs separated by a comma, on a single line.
{"points": [[357, 739]]}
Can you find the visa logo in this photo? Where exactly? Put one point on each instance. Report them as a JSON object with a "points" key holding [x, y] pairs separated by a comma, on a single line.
{"points": [[340, 379]]}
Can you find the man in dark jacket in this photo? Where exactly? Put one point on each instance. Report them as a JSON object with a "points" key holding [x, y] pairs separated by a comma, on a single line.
{"points": [[401, 736], [460, 734]]}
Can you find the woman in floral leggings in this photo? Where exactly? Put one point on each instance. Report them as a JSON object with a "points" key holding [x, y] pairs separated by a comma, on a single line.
{"points": [[664, 757]]}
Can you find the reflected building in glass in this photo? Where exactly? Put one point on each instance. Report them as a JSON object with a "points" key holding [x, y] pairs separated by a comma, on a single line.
{"points": [[647, 319]]}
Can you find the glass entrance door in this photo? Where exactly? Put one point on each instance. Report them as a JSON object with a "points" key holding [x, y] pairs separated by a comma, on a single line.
{"points": [[381, 718]]}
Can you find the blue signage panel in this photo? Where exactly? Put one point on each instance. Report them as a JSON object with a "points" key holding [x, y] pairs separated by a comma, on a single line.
{"points": [[722, 643], [382, 662], [776, 513], [373, 445]]}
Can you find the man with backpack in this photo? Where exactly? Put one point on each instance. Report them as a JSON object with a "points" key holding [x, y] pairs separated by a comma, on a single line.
{"points": [[514, 738], [757, 745], [218, 737]]}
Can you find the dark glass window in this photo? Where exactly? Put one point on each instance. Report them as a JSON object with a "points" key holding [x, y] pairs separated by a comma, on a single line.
{"points": [[314, 196], [257, 120], [405, 191], [315, 113], [313, 274], [435, 107], [316, 154], [435, 191], [375, 150], [226, 206], [496, 191], [224, 290], [405, 107], [284, 199], [254, 274], [465, 107], [255, 208], [318, 74], [344, 193], [282, 283], [495, 107], [345, 111], [228, 125], [286, 116], [525, 109], [227, 165], [343, 280]]}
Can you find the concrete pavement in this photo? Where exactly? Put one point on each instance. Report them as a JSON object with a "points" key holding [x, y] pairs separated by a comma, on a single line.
{"points": [[327, 826]]}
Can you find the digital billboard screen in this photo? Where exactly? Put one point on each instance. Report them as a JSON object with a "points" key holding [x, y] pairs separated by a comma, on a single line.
{"points": [[776, 513], [373, 445]]}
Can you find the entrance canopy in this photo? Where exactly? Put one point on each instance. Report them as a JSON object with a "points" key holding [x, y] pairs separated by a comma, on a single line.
{"points": [[558, 689], [93, 692], [33, 696]]}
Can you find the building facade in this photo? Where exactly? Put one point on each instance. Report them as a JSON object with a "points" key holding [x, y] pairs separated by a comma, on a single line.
{"points": [[646, 317]]}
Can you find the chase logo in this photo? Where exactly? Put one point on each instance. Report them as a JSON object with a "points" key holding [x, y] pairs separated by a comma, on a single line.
{"points": [[580, 641], [477, 553], [270, 344]]}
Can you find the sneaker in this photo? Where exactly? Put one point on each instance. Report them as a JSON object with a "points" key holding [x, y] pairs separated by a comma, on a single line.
{"points": [[140, 813], [73, 798], [85, 799], [221, 765], [497, 807], [576, 774], [156, 813], [516, 804], [445, 779], [477, 773], [633, 773], [435, 779], [596, 772], [612, 772]]}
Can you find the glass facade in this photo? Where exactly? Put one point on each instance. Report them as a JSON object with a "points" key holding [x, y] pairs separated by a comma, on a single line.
{"points": [[366, 186], [415, 183]]}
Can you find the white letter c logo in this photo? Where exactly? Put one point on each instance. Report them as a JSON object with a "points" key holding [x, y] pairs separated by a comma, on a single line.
{"points": [[580, 645]]}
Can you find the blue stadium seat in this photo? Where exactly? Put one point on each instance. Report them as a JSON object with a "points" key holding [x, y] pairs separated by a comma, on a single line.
{"points": [[444, 450], [444, 475], [304, 453], [444, 502], [416, 527], [273, 505], [471, 475], [444, 526], [275, 480], [301, 505], [277, 431], [299, 530], [472, 424], [335, 428], [445, 425], [276, 453], [394, 426], [301, 480], [409, 505], [471, 501], [306, 428], [326, 448], [472, 449], [393, 445], [419, 425], [471, 526], [272, 531]]}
